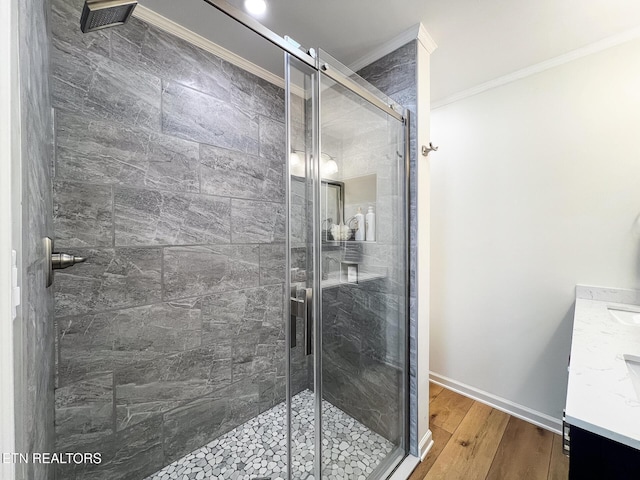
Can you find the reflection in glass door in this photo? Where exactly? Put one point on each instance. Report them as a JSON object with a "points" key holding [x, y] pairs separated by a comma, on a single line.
{"points": [[363, 285], [347, 227], [301, 104]]}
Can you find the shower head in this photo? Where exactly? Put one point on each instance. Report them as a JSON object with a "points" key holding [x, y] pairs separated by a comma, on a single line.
{"points": [[98, 14]]}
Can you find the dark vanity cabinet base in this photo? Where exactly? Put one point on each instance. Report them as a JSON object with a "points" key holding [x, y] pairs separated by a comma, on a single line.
{"points": [[598, 458]]}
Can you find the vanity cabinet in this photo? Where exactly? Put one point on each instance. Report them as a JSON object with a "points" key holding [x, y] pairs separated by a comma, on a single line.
{"points": [[594, 457], [603, 396]]}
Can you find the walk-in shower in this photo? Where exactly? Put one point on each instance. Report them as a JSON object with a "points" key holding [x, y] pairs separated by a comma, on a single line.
{"points": [[226, 322]]}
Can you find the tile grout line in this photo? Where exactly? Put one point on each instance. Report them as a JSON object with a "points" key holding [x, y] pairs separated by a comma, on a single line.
{"points": [[168, 245], [175, 300], [168, 192], [161, 126], [114, 399], [200, 171], [162, 278], [113, 216]]}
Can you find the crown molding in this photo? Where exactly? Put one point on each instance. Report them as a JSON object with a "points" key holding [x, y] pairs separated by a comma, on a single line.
{"points": [[152, 18], [415, 32], [590, 49], [425, 39]]}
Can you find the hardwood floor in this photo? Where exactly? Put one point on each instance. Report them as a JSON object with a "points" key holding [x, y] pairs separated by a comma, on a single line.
{"points": [[475, 442]]}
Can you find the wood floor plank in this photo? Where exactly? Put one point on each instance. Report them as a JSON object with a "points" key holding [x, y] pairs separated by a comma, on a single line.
{"points": [[448, 409], [440, 439], [470, 451], [434, 391], [559, 464], [524, 452]]}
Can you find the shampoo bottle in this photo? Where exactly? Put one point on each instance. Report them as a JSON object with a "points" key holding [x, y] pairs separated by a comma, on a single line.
{"points": [[371, 225], [360, 225]]}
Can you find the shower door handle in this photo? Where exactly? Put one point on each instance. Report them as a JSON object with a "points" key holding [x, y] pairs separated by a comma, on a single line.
{"points": [[308, 321], [297, 305], [302, 308]]}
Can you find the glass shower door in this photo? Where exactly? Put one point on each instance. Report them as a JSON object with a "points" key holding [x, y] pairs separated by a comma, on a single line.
{"points": [[363, 281], [303, 413], [347, 257]]}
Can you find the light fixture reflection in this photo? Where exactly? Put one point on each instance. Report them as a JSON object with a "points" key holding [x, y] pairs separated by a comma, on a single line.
{"points": [[255, 7], [296, 163], [328, 166]]}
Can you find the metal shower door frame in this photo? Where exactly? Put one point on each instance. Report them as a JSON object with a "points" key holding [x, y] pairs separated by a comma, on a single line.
{"points": [[309, 57], [315, 250], [312, 167], [340, 74], [314, 60]]}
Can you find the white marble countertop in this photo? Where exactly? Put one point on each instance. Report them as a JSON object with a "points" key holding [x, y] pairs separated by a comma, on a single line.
{"points": [[600, 396]]}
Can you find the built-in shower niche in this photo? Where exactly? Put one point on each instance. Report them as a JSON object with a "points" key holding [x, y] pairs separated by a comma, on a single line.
{"points": [[359, 192], [343, 200]]}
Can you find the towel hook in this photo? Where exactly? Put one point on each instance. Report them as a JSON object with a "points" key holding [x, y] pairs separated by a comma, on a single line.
{"points": [[426, 150]]}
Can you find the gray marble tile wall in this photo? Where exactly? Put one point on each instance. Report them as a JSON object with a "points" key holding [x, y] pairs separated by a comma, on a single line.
{"points": [[395, 75], [34, 345], [356, 376], [169, 177]]}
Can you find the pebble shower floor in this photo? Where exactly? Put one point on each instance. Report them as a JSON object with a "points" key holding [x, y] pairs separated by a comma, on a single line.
{"points": [[257, 449]]}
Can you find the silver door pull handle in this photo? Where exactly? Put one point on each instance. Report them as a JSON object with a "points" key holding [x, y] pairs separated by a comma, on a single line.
{"points": [[60, 261], [308, 321], [302, 307], [296, 305]]}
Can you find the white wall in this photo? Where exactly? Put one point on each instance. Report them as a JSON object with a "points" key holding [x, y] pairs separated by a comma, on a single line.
{"points": [[536, 188], [423, 121], [9, 154]]}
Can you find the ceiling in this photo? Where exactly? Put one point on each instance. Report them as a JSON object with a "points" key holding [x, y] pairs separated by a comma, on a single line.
{"points": [[478, 40]]}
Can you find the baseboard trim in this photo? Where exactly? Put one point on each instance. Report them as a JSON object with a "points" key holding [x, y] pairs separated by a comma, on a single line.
{"points": [[519, 411], [425, 445]]}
